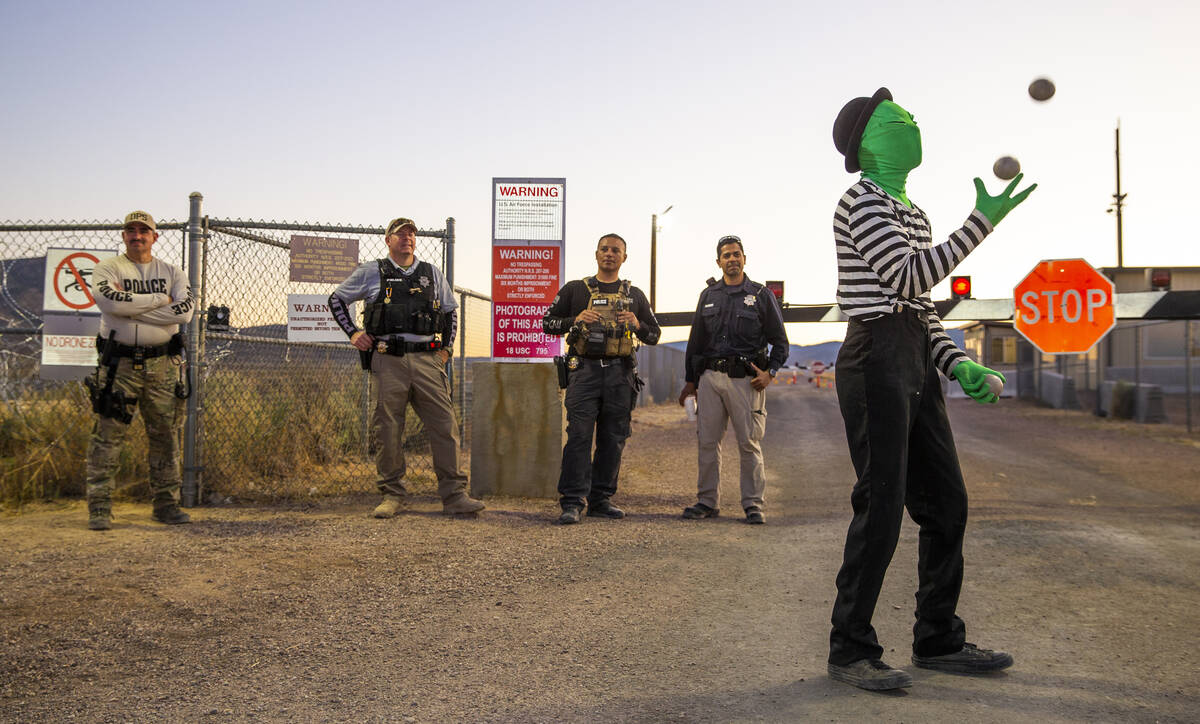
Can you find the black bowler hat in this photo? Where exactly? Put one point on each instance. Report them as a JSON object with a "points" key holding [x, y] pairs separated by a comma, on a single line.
{"points": [[850, 123]]}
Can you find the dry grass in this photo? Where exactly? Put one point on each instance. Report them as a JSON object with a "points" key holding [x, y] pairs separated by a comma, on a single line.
{"points": [[268, 436]]}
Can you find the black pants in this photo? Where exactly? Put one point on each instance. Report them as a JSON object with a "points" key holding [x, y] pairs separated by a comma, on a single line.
{"points": [[599, 398], [904, 456]]}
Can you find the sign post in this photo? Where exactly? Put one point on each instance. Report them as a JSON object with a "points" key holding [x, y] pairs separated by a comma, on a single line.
{"points": [[1064, 306], [528, 235]]}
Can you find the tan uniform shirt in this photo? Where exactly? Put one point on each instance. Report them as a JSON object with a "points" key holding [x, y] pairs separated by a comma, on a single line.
{"points": [[144, 303]]}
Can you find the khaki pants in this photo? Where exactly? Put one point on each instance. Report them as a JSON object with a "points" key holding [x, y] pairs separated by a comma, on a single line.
{"points": [[721, 399], [419, 379], [154, 389]]}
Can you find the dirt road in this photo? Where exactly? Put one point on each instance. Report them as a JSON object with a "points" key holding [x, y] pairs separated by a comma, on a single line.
{"points": [[1083, 560]]}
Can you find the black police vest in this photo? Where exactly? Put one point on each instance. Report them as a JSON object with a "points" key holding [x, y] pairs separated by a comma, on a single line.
{"points": [[405, 303], [723, 314]]}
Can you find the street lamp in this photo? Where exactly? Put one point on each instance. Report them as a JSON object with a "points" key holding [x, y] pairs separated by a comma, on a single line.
{"points": [[1119, 200], [654, 253]]}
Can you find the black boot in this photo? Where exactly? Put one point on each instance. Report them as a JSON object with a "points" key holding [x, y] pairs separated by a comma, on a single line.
{"points": [[171, 514]]}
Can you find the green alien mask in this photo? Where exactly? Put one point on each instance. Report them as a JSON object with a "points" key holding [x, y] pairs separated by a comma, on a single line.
{"points": [[890, 148]]}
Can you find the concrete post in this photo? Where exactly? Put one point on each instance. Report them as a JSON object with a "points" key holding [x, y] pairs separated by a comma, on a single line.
{"points": [[517, 429]]}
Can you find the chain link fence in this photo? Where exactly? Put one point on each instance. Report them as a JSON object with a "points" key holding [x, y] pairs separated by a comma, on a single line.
{"points": [[273, 419], [45, 424], [286, 419], [1155, 355]]}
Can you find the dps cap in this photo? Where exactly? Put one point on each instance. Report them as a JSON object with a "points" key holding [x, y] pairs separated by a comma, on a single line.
{"points": [[396, 224], [140, 217], [852, 121]]}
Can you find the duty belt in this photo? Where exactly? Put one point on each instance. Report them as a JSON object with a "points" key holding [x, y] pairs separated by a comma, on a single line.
{"points": [[128, 350], [728, 365], [399, 347], [607, 361]]}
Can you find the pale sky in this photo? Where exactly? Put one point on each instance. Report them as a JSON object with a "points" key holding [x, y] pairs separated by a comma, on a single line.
{"points": [[357, 112]]}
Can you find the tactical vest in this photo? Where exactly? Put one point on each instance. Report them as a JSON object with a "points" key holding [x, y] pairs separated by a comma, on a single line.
{"points": [[608, 337], [405, 303]]}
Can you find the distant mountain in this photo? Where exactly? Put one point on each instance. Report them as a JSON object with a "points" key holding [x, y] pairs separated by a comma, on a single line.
{"points": [[21, 282], [822, 352], [799, 354]]}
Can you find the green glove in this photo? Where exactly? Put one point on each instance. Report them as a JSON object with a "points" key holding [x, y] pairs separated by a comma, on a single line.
{"points": [[972, 376], [997, 207]]}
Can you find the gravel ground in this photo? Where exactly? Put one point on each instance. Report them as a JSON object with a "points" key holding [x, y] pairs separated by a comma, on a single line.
{"points": [[1083, 560]]}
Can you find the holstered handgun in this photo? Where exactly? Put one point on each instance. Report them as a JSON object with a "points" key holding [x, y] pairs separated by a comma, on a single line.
{"points": [[560, 365], [739, 367], [107, 402]]}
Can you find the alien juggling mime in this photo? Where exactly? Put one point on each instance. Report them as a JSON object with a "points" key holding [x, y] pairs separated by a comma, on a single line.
{"points": [[891, 397]]}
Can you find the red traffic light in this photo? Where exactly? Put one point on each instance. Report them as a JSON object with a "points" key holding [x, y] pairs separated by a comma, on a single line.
{"points": [[1160, 279], [776, 289], [960, 287]]}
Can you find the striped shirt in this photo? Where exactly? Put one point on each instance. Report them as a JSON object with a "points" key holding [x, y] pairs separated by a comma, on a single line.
{"points": [[887, 260]]}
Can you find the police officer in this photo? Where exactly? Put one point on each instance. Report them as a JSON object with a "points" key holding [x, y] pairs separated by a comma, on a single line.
{"points": [[601, 315], [142, 301], [728, 370], [411, 318]]}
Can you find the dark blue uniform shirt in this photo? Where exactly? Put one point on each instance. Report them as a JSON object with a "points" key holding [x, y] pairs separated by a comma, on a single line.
{"points": [[735, 321]]}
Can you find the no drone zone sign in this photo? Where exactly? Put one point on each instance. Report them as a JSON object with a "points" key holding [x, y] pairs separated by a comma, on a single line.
{"points": [[68, 281]]}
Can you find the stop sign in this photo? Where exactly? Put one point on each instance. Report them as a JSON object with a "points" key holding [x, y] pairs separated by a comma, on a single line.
{"points": [[817, 368], [1064, 306]]}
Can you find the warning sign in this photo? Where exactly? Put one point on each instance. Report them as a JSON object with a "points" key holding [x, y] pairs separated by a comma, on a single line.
{"points": [[68, 345], [68, 285], [309, 319], [524, 282], [69, 350], [321, 259], [528, 241]]}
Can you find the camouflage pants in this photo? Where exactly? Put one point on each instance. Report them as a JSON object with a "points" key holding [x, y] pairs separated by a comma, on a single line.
{"points": [[162, 413]]}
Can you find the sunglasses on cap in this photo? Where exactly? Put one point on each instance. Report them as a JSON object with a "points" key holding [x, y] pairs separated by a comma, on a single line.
{"points": [[729, 240]]}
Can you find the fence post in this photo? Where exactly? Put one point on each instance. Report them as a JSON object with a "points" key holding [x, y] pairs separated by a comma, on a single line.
{"points": [[1187, 364], [448, 263], [1137, 353], [366, 413], [188, 495], [462, 375]]}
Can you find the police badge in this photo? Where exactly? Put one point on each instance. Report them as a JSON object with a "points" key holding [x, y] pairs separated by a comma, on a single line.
{"points": [[572, 363], [424, 280], [749, 300]]}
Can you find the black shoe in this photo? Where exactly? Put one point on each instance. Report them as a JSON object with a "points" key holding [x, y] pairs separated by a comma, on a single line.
{"points": [[171, 515], [569, 516], [754, 515], [604, 509], [970, 660], [870, 674], [700, 510]]}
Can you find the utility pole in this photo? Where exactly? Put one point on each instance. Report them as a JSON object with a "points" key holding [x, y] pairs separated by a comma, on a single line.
{"points": [[1119, 201], [654, 255]]}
